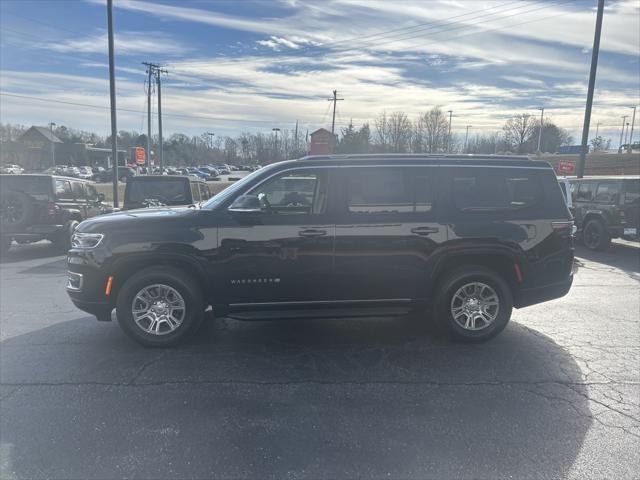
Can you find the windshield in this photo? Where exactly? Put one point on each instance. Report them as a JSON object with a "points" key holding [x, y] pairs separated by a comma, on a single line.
{"points": [[158, 192], [231, 190]]}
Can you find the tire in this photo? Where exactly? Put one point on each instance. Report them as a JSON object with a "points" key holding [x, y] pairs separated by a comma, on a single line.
{"points": [[16, 210], [63, 240], [461, 284], [595, 236], [152, 280]]}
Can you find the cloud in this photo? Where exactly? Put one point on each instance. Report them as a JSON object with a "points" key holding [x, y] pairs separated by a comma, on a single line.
{"points": [[126, 43]]}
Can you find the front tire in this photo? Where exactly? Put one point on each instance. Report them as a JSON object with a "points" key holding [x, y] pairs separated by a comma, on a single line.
{"points": [[472, 304], [595, 236], [160, 306]]}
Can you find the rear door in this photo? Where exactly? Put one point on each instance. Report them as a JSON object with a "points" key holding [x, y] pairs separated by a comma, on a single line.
{"points": [[583, 200], [387, 230], [630, 205]]}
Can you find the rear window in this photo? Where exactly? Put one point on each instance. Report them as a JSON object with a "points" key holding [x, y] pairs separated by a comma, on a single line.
{"points": [[157, 192], [632, 192], [608, 192], [27, 184], [487, 189]]}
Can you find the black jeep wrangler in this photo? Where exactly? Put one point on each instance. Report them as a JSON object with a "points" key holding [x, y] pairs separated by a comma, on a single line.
{"points": [[606, 208], [38, 207], [143, 191], [336, 236]]}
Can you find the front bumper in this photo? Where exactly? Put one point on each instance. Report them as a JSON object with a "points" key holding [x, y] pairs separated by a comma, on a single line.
{"points": [[86, 287], [531, 296]]}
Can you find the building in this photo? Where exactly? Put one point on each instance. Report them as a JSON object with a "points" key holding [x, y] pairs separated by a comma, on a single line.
{"points": [[322, 142], [37, 148]]}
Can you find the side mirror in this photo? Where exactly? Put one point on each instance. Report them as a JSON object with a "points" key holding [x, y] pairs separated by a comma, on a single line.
{"points": [[246, 204], [101, 197]]}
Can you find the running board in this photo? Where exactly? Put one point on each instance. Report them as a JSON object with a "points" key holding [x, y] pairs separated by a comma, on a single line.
{"points": [[326, 313]]}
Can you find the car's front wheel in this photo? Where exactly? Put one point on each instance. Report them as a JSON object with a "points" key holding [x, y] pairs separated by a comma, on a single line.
{"points": [[160, 306], [472, 304]]}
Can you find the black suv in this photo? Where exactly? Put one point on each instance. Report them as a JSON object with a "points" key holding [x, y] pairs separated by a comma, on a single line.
{"points": [[606, 208], [38, 207], [144, 191], [336, 236]]}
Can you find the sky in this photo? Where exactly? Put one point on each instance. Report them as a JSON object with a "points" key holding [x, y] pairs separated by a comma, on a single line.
{"points": [[251, 65]]}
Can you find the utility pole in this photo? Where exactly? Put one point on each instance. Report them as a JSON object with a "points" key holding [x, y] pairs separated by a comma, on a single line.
{"points": [[210, 143], [150, 68], [626, 134], [633, 122], [335, 99], [450, 143], [597, 128], [466, 137], [541, 127], [159, 71], [624, 119], [53, 151], [112, 96], [276, 129], [296, 135], [592, 83]]}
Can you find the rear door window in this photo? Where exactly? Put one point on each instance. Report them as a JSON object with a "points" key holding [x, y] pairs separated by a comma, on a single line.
{"points": [[387, 190], [632, 192], [78, 190], [488, 189], [204, 192], [608, 192], [63, 190], [195, 192], [92, 193]]}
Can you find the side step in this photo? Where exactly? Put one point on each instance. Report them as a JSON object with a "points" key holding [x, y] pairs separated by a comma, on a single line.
{"points": [[327, 313]]}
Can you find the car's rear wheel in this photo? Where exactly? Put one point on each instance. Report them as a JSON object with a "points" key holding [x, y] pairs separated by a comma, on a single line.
{"points": [[472, 304], [595, 236], [160, 306], [16, 210]]}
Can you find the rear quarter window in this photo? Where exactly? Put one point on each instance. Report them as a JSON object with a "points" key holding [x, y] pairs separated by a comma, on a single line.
{"points": [[492, 189], [63, 190]]}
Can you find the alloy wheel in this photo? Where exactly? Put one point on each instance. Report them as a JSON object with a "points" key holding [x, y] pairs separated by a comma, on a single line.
{"points": [[475, 306], [158, 309]]}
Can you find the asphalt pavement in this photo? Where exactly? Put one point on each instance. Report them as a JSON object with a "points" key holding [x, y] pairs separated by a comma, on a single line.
{"points": [[556, 395]]}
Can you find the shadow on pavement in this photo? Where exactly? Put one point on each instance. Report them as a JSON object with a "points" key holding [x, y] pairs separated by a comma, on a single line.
{"points": [[622, 256], [312, 399], [30, 251]]}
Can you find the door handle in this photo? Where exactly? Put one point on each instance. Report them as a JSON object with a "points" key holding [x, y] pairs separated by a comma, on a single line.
{"points": [[424, 230], [312, 232]]}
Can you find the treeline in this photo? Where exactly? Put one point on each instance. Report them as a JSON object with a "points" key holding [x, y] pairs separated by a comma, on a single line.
{"points": [[390, 133]]}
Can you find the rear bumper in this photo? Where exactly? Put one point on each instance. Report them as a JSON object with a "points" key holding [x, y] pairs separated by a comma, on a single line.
{"points": [[531, 296], [626, 231]]}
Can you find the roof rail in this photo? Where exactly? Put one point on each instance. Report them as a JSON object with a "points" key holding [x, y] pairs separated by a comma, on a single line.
{"points": [[413, 156]]}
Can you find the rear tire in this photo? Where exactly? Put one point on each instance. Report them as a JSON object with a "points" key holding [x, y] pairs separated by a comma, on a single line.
{"points": [[16, 210], [480, 299], [145, 298], [595, 236]]}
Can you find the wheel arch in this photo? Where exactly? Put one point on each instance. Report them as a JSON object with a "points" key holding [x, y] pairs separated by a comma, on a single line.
{"points": [[124, 268], [501, 262]]}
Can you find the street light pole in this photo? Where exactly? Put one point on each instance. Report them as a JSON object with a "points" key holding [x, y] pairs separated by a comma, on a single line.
{"points": [[624, 119], [541, 127], [53, 152], [449, 145], [633, 122], [112, 97], [466, 137]]}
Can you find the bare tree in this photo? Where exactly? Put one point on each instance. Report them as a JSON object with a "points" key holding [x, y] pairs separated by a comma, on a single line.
{"points": [[431, 132], [382, 137], [518, 130], [400, 130]]}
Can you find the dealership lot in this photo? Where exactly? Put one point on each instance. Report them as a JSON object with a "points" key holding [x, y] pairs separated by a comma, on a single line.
{"points": [[556, 395]]}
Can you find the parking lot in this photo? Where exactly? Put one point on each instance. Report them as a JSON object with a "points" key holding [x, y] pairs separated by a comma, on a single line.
{"points": [[556, 395]]}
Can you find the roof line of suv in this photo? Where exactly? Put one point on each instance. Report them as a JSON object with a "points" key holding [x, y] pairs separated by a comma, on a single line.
{"points": [[414, 156]]}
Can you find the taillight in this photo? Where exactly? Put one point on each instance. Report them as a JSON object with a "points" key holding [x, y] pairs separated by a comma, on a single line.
{"points": [[52, 209], [563, 227]]}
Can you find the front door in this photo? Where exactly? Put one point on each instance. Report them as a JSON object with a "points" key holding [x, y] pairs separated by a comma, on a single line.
{"points": [[386, 232], [285, 253]]}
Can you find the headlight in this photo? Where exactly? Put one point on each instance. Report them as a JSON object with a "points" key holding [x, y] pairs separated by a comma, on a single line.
{"points": [[86, 240]]}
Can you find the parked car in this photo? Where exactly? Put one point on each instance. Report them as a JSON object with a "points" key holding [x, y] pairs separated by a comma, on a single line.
{"points": [[12, 169], [106, 176], [198, 173], [85, 173], [331, 236], [39, 207], [212, 172], [606, 208], [145, 191], [72, 171], [565, 186], [223, 169]]}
